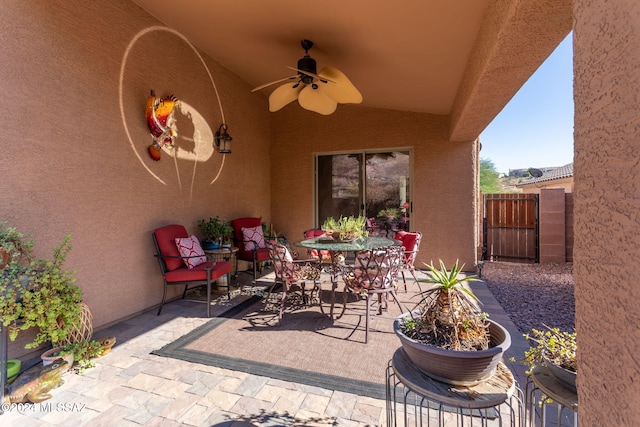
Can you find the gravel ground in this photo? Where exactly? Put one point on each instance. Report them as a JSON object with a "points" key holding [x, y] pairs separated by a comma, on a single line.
{"points": [[533, 295]]}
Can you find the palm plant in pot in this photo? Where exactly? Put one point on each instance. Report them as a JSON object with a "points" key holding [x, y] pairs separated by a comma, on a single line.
{"points": [[446, 335]]}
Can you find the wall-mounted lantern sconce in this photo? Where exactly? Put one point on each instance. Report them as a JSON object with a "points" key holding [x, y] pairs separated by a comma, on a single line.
{"points": [[223, 140]]}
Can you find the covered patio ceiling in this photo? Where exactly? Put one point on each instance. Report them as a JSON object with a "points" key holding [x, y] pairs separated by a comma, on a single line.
{"points": [[459, 58]]}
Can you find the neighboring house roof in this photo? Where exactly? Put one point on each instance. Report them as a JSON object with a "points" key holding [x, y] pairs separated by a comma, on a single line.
{"points": [[565, 171]]}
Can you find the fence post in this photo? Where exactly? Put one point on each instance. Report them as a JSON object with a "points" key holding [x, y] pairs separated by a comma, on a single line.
{"points": [[552, 226]]}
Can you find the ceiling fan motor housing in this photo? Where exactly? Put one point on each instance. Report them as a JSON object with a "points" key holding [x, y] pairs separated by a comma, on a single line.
{"points": [[307, 64]]}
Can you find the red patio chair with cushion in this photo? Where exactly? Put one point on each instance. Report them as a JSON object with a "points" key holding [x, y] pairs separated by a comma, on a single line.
{"points": [[374, 272], [292, 273], [251, 242], [411, 243], [183, 262]]}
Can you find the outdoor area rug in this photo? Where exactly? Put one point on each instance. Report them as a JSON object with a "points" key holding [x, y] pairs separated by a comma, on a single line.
{"points": [[308, 347]]}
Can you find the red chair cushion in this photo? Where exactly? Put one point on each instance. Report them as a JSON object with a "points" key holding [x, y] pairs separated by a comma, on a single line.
{"points": [[240, 223], [166, 238], [262, 254], [198, 273]]}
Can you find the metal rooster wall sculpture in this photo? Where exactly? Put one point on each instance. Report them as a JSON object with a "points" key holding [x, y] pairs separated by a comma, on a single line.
{"points": [[161, 122]]}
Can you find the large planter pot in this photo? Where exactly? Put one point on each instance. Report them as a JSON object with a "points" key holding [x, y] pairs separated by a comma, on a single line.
{"points": [[456, 367], [565, 377]]}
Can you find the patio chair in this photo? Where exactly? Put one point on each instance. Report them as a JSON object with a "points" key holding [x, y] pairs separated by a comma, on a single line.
{"points": [[323, 256], [183, 262], [374, 272], [411, 243], [250, 240], [292, 274]]}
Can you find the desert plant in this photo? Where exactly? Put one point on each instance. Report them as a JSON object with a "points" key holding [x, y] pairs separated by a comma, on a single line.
{"points": [[346, 227], [448, 314], [558, 347]]}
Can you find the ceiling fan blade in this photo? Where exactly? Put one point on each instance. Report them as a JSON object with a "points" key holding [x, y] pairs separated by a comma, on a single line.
{"points": [[316, 100], [284, 95], [272, 83], [309, 74], [340, 87]]}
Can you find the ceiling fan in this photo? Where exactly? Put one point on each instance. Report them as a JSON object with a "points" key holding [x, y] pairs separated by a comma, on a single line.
{"points": [[320, 92]]}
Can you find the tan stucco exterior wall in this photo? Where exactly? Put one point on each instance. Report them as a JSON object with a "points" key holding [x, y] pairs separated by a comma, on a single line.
{"points": [[74, 150], [443, 171], [607, 203]]}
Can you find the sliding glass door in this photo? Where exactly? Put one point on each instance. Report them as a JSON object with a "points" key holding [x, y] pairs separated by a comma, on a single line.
{"points": [[374, 184]]}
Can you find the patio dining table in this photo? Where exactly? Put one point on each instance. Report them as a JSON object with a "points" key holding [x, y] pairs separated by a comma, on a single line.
{"points": [[337, 247]]}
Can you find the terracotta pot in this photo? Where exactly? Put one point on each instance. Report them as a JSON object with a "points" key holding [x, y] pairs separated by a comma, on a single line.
{"points": [[4, 258], [48, 357], [456, 367]]}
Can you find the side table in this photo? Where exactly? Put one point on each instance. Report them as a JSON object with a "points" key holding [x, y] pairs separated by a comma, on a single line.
{"points": [[225, 254], [424, 400], [543, 388]]}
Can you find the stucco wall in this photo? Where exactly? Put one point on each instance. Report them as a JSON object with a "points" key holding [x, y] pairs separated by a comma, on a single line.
{"points": [[444, 172], [607, 202], [74, 145]]}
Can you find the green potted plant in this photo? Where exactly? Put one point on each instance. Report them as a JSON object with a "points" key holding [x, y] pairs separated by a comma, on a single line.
{"points": [[556, 351], [389, 213], [447, 335], [216, 232], [84, 352], [40, 295], [14, 245], [346, 228]]}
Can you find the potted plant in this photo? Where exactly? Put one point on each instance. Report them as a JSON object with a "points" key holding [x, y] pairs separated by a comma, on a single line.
{"points": [[446, 335], [216, 232], [14, 245], [556, 351], [346, 228], [389, 213], [83, 352], [40, 295]]}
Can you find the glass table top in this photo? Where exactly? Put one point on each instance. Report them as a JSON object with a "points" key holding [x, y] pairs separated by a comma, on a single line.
{"points": [[328, 244]]}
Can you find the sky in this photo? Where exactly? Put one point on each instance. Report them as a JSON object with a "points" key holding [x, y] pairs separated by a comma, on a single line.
{"points": [[535, 129]]}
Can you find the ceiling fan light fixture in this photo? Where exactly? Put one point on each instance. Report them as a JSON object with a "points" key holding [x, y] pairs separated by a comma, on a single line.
{"points": [[284, 95], [318, 92], [316, 101]]}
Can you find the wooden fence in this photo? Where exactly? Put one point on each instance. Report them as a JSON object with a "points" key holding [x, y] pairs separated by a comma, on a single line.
{"points": [[511, 228]]}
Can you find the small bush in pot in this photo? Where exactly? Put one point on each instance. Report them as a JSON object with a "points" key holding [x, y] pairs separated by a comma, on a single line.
{"points": [[556, 350], [215, 230], [14, 246], [447, 336], [41, 295]]}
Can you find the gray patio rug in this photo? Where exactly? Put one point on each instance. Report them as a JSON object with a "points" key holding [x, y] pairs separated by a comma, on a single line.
{"points": [[307, 348]]}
